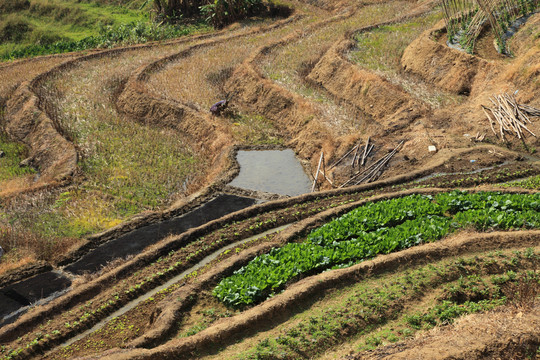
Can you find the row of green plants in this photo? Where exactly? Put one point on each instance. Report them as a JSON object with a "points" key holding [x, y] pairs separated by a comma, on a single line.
{"points": [[381, 309], [163, 269], [377, 228], [504, 177], [110, 36], [532, 183]]}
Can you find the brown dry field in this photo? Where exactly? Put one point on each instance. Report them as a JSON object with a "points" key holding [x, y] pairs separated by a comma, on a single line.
{"points": [[295, 84]]}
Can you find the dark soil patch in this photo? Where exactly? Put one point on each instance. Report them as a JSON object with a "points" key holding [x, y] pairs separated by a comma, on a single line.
{"points": [[137, 240]]}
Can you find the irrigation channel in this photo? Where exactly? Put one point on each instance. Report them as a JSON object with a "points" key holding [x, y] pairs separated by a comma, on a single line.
{"points": [[276, 171]]}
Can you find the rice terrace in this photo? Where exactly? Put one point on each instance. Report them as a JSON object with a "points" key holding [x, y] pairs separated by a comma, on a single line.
{"points": [[252, 179]]}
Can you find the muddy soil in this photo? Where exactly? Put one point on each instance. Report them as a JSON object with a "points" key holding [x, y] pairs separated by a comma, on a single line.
{"points": [[28, 292]]}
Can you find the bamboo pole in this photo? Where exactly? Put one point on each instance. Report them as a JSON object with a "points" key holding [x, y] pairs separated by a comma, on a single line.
{"points": [[355, 154], [510, 115], [365, 152], [317, 173], [343, 157], [373, 168]]}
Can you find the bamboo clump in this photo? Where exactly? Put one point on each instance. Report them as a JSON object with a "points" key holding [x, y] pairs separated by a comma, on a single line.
{"points": [[509, 116], [470, 16]]}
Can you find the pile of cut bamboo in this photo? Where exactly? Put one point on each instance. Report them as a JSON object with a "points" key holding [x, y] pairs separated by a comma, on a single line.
{"points": [[374, 171], [358, 160], [360, 157], [509, 115]]}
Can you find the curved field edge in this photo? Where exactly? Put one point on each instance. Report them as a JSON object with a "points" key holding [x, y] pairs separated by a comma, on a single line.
{"points": [[374, 229], [457, 70], [506, 332], [227, 331], [264, 96], [344, 80], [218, 185], [225, 159], [154, 219], [87, 291], [28, 116], [143, 105], [165, 246], [163, 319], [168, 314], [79, 295], [392, 306]]}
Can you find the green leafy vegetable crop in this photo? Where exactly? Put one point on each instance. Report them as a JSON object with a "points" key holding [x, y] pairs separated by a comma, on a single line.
{"points": [[377, 228]]}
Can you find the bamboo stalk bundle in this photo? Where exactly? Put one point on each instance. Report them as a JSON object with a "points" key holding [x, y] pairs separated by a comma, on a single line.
{"points": [[510, 116], [374, 171]]}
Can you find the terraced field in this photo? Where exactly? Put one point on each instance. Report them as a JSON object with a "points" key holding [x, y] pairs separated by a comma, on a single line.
{"points": [[122, 200]]}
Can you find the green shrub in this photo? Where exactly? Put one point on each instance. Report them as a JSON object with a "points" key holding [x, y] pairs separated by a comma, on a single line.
{"points": [[14, 28], [7, 6], [222, 12]]}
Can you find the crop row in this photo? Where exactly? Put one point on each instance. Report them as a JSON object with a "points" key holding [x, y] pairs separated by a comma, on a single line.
{"points": [[160, 271], [377, 228], [382, 309]]}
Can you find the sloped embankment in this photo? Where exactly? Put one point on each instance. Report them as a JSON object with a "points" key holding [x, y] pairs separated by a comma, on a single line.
{"points": [[50, 152], [389, 106], [447, 68], [209, 134], [506, 334], [288, 110], [259, 316]]}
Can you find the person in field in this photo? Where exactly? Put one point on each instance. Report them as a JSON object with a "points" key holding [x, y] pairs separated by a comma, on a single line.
{"points": [[221, 105]]}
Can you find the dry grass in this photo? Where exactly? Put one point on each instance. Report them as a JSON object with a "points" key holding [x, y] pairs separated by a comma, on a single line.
{"points": [[524, 293], [14, 260], [198, 78], [286, 65], [128, 167], [12, 74], [381, 49], [15, 184], [21, 244]]}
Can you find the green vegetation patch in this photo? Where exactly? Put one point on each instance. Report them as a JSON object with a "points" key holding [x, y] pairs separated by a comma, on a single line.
{"points": [[532, 183], [382, 48], [388, 308], [39, 27], [377, 228], [13, 154], [109, 36]]}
